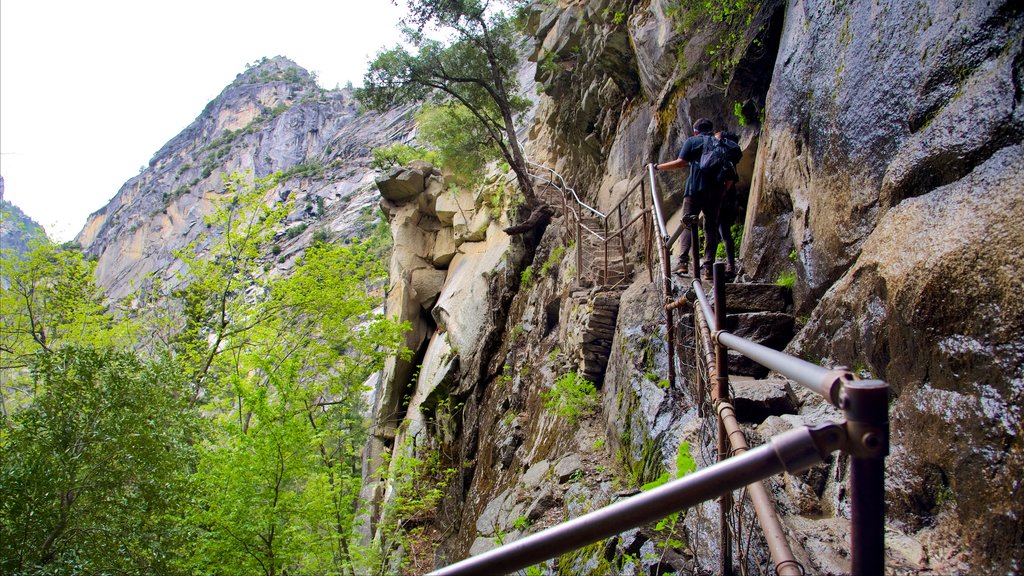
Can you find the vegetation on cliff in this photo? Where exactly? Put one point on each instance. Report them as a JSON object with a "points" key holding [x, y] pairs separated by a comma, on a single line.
{"points": [[472, 79]]}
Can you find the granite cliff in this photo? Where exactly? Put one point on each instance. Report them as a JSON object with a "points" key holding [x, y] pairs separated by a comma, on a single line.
{"points": [[272, 118], [881, 161], [16, 229]]}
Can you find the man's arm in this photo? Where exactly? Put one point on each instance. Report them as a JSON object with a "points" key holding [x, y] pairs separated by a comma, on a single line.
{"points": [[676, 164]]}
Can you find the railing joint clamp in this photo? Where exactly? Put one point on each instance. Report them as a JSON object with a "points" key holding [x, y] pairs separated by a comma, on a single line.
{"points": [[865, 404]]}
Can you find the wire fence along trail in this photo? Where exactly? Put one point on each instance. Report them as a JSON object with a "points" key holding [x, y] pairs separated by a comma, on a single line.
{"points": [[734, 479]]}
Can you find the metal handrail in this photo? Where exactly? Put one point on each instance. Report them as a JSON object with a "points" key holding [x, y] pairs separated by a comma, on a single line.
{"points": [[865, 405], [793, 451], [576, 207], [565, 187]]}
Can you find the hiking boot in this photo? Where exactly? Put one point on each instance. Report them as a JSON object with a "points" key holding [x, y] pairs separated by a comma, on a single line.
{"points": [[730, 272], [708, 274], [682, 268]]}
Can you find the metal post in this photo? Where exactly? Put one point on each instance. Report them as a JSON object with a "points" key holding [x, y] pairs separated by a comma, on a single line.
{"points": [[622, 242], [647, 232], [722, 395], [865, 404], [604, 241], [579, 248], [670, 330]]}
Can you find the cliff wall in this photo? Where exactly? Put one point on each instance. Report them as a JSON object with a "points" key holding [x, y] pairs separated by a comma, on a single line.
{"points": [[272, 118], [882, 144]]}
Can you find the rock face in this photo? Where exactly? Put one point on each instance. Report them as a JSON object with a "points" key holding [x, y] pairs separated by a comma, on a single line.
{"points": [[272, 118], [16, 229], [881, 158], [890, 168]]}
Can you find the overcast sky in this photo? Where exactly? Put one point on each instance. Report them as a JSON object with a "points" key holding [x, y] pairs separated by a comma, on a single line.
{"points": [[89, 91]]}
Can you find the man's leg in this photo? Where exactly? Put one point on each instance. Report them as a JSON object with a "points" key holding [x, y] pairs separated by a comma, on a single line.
{"points": [[710, 208], [690, 211], [726, 218]]}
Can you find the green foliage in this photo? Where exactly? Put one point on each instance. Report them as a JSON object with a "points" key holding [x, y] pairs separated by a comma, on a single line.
{"points": [[737, 111], [418, 482], [526, 278], [463, 145], [277, 489], [553, 260], [572, 397], [685, 464], [311, 169], [94, 467], [477, 70], [107, 466], [727, 21], [399, 154], [50, 300], [737, 238], [786, 280]]}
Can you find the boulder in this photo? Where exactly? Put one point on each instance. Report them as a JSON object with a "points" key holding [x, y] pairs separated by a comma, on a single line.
{"points": [[744, 297], [401, 185], [756, 400], [444, 247], [450, 204], [463, 308]]}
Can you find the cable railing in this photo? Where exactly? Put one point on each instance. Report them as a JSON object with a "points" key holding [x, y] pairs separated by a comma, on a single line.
{"points": [[601, 240], [863, 435]]}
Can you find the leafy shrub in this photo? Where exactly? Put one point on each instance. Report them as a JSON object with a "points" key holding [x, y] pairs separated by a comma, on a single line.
{"points": [[399, 154], [786, 279], [572, 397]]}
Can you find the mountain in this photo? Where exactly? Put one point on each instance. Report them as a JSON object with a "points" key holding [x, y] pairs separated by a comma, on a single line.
{"points": [[16, 229], [272, 118]]}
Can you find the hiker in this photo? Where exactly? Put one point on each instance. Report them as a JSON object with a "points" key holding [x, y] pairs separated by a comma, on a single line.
{"points": [[727, 211], [705, 157]]}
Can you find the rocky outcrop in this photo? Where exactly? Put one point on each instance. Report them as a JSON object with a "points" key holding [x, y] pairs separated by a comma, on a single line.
{"points": [[889, 170], [16, 229], [272, 118]]}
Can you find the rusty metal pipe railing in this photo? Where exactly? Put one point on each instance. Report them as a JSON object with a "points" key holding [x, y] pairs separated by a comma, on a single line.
{"points": [[774, 535], [865, 406], [793, 451], [659, 213], [721, 388], [824, 381]]}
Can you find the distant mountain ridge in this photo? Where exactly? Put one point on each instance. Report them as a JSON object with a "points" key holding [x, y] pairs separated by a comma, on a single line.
{"points": [[272, 118], [16, 229]]}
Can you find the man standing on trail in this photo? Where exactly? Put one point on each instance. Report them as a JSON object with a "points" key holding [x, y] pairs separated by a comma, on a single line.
{"points": [[702, 194], [729, 207]]}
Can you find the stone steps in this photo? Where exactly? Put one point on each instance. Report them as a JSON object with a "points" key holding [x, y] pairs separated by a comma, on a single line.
{"points": [[759, 313]]}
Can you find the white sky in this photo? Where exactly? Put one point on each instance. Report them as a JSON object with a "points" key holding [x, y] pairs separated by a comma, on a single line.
{"points": [[89, 91]]}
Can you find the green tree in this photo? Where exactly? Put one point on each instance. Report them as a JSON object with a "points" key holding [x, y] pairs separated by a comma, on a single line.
{"points": [[476, 70], [223, 277], [92, 469], [48, 299], [463, 147], [277, 488]]}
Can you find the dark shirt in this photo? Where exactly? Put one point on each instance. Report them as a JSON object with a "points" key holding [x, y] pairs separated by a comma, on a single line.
{"points": [[691, 151]]}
